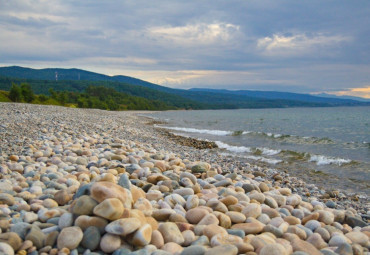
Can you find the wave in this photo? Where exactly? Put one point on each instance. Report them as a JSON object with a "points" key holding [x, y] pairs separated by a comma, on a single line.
{"points": [[279, 137], [263, 159], [237, 149], [200, 131], [324, 160], [267, 151], [257, 158]]}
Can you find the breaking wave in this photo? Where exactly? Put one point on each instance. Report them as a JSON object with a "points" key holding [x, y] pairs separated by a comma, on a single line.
{"points": [[237, 149], [324, 160], [200, 131]]}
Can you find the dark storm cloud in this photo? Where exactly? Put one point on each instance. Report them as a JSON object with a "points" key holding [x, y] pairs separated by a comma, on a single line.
{"points": [[282, 45]]}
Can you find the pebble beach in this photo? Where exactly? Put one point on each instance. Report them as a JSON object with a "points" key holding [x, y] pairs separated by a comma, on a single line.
{"points": [[85, 181]]}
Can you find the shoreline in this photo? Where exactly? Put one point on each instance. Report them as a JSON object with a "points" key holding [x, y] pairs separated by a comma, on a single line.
{"points": [[86, 173], [347, 199]]}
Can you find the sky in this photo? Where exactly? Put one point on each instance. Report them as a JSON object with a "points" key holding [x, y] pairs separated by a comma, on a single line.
{"points": [[307, 46]]}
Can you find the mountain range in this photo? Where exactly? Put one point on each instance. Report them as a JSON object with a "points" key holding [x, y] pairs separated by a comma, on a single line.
{"points": [[77, 80]]}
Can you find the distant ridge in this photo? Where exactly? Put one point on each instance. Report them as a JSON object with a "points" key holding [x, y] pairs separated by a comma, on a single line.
{"points": [[279, 95], [198, 98], [361, 99], [71, 74]]}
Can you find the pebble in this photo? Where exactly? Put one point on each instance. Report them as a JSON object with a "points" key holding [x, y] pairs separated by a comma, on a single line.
{"points": [[123, 227], [194, 250], [171, 233], [98, 182], [66, 220], [6, 249], [70, 238], [36, 236], [109, 243], [83, 205], [91, 238], [142, 236], [104, 190], [273, 249], [111, 209], [223, 250]]}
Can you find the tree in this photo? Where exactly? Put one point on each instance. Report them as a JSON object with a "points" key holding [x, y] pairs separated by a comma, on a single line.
{"points": [[27, 92], [43, 98], [15, 93], [53, 94]]}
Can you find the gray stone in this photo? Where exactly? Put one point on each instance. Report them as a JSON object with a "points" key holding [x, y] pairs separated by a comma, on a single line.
{"points": [[274, 230], [66, 220], [83, 190], [140, 252], [194, 250], [202, 240], [91, 238], [124, 182], [331, 204], [355, 222], [21, 229], [236, 232], [122, 251], [344, 249], [327, 252], [36, 236]]}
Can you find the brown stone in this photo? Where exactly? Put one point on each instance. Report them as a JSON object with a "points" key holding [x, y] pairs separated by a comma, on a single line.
{"points": [[300, 245], [229, 200], [104, 190], [312, 216], [62, 197], [85, 221], [195, 215], [12, 239], [209, 219], [254, 227], [172, 248], [171, 233], [142, 236], [236, 217], [111, 209], [157, 239], [212, 230]]}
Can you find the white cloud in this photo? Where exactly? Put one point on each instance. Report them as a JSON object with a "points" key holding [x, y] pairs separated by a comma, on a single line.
{"points": [[195, 34], [298, 44], [358, 92]]}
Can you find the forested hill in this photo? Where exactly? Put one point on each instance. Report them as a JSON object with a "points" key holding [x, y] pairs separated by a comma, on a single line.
{"points": [[77, 80], [281, 95], [72, 74]]}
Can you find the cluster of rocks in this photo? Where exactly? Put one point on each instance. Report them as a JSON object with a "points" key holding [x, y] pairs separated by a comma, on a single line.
{"points": [[188, 141], [83, 188]]}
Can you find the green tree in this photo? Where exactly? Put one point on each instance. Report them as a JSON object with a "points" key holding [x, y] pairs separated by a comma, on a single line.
{"points": [[43, 98], [15, 93], [53, 94], [63, 97], [27, 92]]}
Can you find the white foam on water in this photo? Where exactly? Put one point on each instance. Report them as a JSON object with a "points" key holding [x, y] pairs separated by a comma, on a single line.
{"points": [[266, 160], [200, 131], [324, 160], [237, 149], [269, 152]]}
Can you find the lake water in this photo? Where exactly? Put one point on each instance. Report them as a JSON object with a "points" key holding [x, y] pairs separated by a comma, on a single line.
{"points": [[330, 142]]}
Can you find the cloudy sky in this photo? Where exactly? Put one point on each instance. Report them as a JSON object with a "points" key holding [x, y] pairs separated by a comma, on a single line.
{"points": [[300, 46]]}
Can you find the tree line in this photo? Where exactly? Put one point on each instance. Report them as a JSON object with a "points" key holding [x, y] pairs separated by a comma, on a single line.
{"points": [[97, 97]]}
